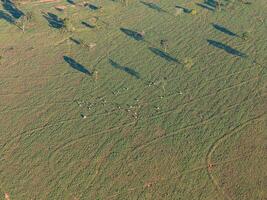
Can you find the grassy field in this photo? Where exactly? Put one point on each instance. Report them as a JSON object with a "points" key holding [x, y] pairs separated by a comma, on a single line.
{"points": [[101, 112]]}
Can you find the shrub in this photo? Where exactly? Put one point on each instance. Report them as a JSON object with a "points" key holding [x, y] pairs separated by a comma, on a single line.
{"points": [[67, 25], [94, 21], [245, 35], [178, 11], [164, 44], [29, 16], [141, 34], [188, 63], [193, 12]]}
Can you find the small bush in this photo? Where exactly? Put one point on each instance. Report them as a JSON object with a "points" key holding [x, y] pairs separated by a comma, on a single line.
{"points": [[67, 25], [94, 21], [188, 63], [178, 11], [164, 44], [29, 16], [193, 12], [245, 35]]}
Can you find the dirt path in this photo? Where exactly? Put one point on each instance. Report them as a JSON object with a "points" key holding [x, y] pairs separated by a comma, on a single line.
{"points": [[213, 148]]}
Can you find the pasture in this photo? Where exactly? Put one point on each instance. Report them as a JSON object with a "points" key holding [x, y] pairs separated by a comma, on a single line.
{"points": [[133, 100]]}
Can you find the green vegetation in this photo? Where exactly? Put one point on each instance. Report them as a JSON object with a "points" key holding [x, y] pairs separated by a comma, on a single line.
{"points": [[125, 100]]}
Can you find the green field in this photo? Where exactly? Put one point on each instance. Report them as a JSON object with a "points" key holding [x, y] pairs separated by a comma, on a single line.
{"points": [[95, 108]]}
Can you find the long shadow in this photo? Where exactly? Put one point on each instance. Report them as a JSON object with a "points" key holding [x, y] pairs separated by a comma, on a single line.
{"points": [[87, 24], [226, 48], [6, 17], [224, 30], [153, 6], [93, 7], [10, 7], [53, 20], [186, 10], [163, 54], [128, 70], [205, 6], [209, 4], [71, 2], [76, 65], [133, 34], [75, 41]]}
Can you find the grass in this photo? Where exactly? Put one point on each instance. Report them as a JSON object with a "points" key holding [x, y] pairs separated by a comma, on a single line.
{"points": [[199, 130]]}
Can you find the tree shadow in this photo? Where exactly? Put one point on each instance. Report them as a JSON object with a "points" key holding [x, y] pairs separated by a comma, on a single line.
{"points": [[93, 7], [6, 17], [75, 41], [10, 7], [226, 48], [209, 4], [76, 65], [163, 54], [153, 6], [128, 70], [186, 10], [59, 9], [53, 20], [71, 2], [224, 30], [87, 24], [205, 6], [133, 34]]}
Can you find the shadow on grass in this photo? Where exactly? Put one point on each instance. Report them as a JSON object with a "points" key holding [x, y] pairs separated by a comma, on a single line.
{"points": [[75, 41], [226, 48], [93, 7], [224, 30], [76, 65], [205, 6], [53, 20], [163, 54], [153, 6], [186, 10], [211, 5], [6, 17], [128, 70], [133, 34], [71, 2], [87, 24], [10, 7]]}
